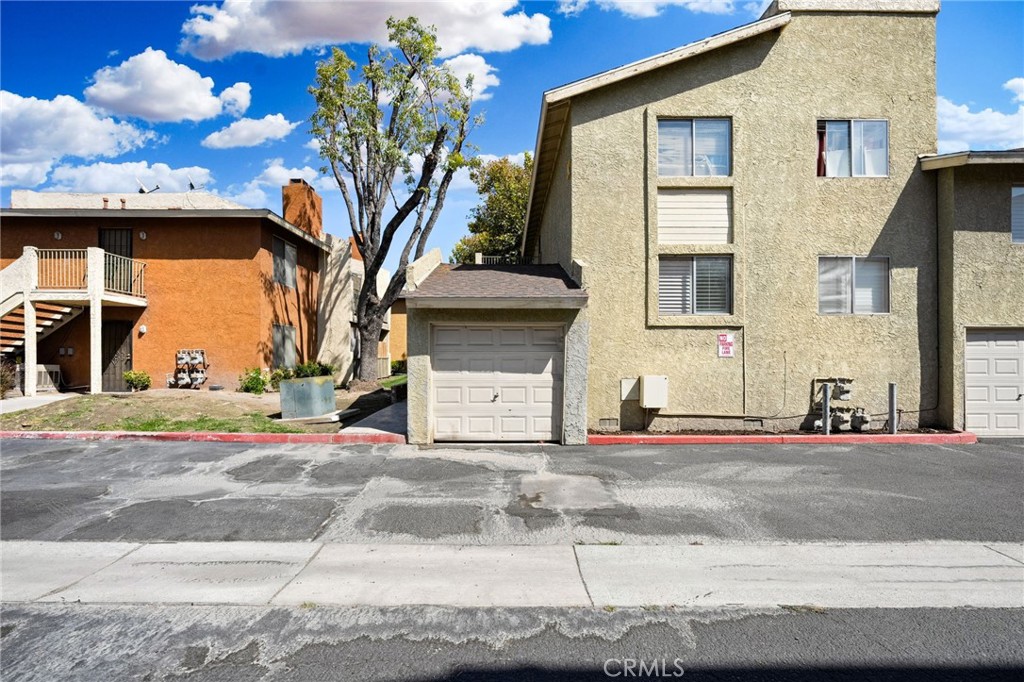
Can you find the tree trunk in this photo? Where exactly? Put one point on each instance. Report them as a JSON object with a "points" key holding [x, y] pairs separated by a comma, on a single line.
{"points": [[369, 338]]}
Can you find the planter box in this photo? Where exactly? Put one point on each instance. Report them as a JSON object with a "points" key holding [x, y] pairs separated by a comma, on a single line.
{"points": [[309, 397]]}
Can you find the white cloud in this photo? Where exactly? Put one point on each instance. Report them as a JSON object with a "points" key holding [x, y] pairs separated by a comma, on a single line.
{"points": [[282, 28], [961, 129], [236, 98], [474, 65], [120, 177], [250, 132], [152, 87], [36, 133], [273, 177], [643, 9], [1016, 86]]}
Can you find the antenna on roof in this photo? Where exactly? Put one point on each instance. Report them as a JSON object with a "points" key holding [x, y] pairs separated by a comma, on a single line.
{"points": [[191, 185], [142, 188]]}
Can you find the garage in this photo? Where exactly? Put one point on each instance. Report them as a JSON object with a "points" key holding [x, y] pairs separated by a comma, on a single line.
{"points": [[497, 383], [994, 382]]}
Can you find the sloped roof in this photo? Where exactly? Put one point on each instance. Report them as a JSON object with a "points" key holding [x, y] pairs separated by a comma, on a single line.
{"points": [[493, 285]]}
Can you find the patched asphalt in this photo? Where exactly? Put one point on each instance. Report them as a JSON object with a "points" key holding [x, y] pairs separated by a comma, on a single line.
{"points": [[143, 491]]}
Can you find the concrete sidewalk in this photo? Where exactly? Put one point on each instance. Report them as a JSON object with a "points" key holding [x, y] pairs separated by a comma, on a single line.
{"points": [[900, 575]]}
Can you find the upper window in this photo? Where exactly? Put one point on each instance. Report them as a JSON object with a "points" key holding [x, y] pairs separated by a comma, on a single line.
{"points": [[1017, 215], [850, 285], [694, 146], [853, 148], [695, 285], [284, 262]]}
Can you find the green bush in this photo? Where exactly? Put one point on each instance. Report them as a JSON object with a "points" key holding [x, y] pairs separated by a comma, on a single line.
{"points": [[313, 369], [253, 381], [8, 377], [279, 375], [137, 380], [398, 366]]}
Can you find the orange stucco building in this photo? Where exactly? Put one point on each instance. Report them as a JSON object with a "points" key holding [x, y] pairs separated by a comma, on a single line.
{"points": [[241, 284]]}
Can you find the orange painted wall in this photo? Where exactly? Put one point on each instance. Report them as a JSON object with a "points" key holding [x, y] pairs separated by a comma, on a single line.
{"points": [[398, 332], [208, 285]]}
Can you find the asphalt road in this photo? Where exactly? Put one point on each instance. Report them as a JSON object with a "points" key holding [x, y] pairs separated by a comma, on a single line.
{"points": [[137, 491], [432, 644]]}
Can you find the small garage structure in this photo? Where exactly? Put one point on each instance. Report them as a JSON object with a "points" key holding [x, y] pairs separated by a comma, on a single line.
{"points": [[497, 353]]}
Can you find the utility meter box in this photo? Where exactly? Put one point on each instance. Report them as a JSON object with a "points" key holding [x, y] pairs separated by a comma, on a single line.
{"points": [[653, 391]]}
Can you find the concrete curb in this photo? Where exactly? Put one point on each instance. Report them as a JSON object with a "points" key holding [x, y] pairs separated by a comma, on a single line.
{"points": [[961, 438], [313, 438]]}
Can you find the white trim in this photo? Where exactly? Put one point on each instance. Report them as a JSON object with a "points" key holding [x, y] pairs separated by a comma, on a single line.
{"points": [[933, 162], [871, 6]]}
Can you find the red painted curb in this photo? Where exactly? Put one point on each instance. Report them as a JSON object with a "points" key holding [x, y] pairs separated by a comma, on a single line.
{"points": [[202, 437], [963, 438]]}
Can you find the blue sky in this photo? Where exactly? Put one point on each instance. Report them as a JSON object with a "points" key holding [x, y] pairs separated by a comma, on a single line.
{"points": [[96, 94]]}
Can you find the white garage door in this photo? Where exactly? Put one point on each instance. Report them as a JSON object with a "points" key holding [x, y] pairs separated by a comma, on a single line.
{"points": [[994, 381], [497, 383]]}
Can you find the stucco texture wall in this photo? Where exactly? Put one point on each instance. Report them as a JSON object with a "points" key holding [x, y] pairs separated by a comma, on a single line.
{"points": [[775, 88], [397, 335], [982, 270], [208, 285]]}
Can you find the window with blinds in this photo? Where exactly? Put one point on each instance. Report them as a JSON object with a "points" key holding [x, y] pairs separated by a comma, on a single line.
{"points": [[285, 259], [695, 285], [850, 285], [687, 216], [694, 146], [1017, 215]]}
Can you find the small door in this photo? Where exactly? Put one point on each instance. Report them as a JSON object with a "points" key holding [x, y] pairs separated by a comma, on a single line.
{"points": [[117, 354], [994, 382], [116, 241]]}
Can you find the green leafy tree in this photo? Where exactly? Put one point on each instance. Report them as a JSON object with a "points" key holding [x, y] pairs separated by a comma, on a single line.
{"points": [[401, 116], [496, 225]]}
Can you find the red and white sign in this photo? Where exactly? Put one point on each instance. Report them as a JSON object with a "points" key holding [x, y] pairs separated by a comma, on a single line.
{"points": [[726, 346]]}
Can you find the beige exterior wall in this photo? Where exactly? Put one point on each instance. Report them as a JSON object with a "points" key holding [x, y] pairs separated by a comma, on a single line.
{"points": [[775, 88], [981, 270]]}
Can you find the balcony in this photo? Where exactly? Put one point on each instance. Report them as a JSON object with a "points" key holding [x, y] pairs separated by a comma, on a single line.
{"points": [[73, 276]]}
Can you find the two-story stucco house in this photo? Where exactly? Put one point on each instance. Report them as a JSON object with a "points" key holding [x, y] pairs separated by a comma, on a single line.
{"points": [[92, 285], [717, 232]]}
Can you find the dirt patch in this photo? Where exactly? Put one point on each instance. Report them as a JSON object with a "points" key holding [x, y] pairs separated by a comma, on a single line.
{"points": [[174, 410]]}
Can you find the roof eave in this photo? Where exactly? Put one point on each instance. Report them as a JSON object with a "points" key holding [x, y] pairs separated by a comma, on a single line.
{"points": [[492, 302], [955, 159]]}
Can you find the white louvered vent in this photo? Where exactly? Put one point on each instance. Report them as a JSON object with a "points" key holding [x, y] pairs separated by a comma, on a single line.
{"points": [[687, 216]]}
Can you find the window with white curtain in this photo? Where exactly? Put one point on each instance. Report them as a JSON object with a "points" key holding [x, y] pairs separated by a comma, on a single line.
{"points": [[858, 148], [695, 285], [1017, 215], [694, 146], [851, 285]]}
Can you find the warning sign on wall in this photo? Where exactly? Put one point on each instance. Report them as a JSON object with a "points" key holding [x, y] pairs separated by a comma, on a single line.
{"points": [[726, 346]]}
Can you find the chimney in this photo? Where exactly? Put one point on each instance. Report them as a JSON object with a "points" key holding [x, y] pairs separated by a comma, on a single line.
{"points": [[105, 202], [303, 207], [124, 203]]}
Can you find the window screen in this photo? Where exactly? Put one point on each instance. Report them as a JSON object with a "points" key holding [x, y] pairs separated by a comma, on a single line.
{"points": [[1017, 214], [285, 257], [695, 285], [284, 346], [848, 285], [699, 146]]}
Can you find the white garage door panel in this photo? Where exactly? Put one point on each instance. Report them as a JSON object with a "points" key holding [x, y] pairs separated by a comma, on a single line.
{"points": [[993, 382], [497, 383]]}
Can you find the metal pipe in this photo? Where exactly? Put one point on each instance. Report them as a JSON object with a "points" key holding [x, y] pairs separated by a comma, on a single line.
{"points": [[892, 408], [826, 409]]}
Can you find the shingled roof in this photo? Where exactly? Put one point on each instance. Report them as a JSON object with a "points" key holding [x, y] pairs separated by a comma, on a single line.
{"points": [[498, 286]]}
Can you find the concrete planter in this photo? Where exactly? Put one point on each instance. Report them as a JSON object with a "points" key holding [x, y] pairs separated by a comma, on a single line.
{"points": [[307, 397]]}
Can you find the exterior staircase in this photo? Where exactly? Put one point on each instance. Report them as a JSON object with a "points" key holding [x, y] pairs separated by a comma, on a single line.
{"points": [[49, 318]]}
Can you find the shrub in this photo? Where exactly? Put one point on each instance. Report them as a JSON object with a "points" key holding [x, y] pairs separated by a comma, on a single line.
{"points": [[398, 366], [313, 369], [253, 381], [8, 377], [137, 380], [279, 375]]}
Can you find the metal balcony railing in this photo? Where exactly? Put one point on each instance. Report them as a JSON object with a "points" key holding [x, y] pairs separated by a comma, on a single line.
{"points": [[124, 275]]}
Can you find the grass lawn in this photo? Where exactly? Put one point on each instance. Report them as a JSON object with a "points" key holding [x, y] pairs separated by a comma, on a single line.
{"points": [[392, 381], [254, 422]]}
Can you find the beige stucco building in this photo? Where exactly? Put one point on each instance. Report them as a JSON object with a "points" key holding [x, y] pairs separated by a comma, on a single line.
{"points": [[726, 228]]}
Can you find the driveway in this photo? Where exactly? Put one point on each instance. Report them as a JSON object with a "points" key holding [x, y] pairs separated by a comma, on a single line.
{"points": [[137, 491]]}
